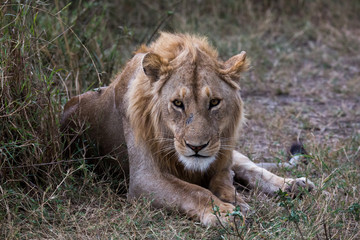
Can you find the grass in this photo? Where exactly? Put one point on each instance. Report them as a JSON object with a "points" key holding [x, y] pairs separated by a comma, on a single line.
{"points": [[304, 83]]}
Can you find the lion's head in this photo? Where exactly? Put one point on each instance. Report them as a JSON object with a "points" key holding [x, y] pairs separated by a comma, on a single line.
{"points": [[185, 104]]}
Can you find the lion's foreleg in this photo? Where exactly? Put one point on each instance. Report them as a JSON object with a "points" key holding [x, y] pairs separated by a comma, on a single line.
{"points": [[167, 191], [253, 176]]}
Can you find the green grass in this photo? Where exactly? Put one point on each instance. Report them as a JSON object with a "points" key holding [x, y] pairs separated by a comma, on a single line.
{"points": [[304, 83]]}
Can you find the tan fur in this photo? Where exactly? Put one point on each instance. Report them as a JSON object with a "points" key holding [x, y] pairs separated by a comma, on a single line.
{"points": [[180, 147]]}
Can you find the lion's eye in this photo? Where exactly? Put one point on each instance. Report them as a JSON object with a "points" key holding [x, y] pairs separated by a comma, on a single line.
{"points": [[178, 103], [214, 102]]}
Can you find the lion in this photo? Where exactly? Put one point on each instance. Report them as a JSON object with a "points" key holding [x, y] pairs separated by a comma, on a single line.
{"points": [[178, 109]]}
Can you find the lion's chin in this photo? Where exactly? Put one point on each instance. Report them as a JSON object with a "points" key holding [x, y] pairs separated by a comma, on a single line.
{"points": [[196, 163]]}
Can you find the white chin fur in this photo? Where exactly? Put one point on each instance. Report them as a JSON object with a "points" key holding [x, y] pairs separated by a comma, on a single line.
{"points": [[196, 164]]}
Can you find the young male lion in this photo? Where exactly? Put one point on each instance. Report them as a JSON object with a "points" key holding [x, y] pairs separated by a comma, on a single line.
{"points": [[178, 109]]}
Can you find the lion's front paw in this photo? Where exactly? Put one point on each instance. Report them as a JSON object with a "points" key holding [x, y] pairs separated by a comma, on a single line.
{"points": [[220, 212], [296, 186], [244, 207]]}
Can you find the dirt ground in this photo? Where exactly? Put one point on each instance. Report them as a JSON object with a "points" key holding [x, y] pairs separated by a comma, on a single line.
{"points": [[316, 100]]}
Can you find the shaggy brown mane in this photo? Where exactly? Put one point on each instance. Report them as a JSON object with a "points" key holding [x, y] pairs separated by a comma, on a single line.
{"points": [[169, 46], [144, 104], [191, 47]]}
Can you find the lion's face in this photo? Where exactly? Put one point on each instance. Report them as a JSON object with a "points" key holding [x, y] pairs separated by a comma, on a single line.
{"points": [[198, 107]]}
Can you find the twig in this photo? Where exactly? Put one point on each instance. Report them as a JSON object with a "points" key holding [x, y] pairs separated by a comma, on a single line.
{"points": [[217, 217], [51, 163], [236, 227], [296, 225], [162, 21], [326, 233], [16, 110]]}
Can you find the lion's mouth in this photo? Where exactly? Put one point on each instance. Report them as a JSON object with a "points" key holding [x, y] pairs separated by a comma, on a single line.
{"points": [[198, 156]]}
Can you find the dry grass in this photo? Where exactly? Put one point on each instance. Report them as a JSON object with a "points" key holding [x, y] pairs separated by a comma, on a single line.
{"points": [[304, 82]]}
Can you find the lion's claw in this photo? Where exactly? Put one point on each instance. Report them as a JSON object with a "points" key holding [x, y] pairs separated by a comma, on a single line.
{"points": [[296, 186]]}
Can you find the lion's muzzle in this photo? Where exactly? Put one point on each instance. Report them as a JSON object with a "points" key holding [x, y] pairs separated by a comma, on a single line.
{"points": [[197, 148]]}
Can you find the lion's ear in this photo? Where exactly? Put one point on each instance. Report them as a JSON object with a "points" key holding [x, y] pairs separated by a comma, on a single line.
{"points": [[236, 64], [152, 64]]}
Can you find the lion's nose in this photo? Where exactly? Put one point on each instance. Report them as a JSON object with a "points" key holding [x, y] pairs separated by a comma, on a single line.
{"points": [[197, 148]]}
